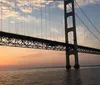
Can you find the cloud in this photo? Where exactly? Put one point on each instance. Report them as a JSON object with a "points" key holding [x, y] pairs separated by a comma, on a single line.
{"points": [[12, 22], [37, 4], [26, 9], [61, 6], [80, 2], [16, 16], [5, 13], [86, 2], [31, 4], [10, 8]]}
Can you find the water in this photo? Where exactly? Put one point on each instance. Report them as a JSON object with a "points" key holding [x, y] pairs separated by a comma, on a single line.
{"points": [[51, 76]]}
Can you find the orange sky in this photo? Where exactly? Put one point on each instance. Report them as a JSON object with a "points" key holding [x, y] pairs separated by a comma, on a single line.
{"points": [[23, 57]]}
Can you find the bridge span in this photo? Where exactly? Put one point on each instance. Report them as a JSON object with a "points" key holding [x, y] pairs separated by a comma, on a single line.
{"points": [[16, 39]]}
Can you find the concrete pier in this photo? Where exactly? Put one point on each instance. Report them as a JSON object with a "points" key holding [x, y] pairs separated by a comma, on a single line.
{"points": [[68, 66], [76, 66]]}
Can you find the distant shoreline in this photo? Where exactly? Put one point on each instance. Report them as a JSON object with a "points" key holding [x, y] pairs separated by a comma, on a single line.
{"points": [[83, 66]]}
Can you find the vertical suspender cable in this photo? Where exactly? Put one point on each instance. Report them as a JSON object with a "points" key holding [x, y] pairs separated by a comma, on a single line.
{"points": [[28, 18], [24, 33], [56, 37], [26, 25], [63, 25], [49, 22], [41, 21], [34, 29], [53, 25], [36, 18], [15, 19], [26, 15], [45, 21], [53, 34], [9, 20], [1, 16], [22, 29]]}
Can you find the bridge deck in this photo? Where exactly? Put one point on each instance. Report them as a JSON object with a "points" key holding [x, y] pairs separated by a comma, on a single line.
{"points": [[9, 39]]}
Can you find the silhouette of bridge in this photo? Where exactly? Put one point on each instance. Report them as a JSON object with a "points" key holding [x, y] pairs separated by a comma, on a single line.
{"points": [[11, 35]]}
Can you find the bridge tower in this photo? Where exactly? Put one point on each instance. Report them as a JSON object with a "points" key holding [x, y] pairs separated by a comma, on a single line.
{"points": [[71, 29]]}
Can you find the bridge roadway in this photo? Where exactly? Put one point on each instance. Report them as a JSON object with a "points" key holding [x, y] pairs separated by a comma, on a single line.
{"points": [[16, 40]]}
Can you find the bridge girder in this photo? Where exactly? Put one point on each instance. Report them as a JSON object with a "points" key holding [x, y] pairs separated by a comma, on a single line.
{"points": [[14, 40]]}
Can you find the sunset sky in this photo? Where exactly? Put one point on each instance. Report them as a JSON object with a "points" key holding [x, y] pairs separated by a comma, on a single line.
{"points": [[46, 21]]}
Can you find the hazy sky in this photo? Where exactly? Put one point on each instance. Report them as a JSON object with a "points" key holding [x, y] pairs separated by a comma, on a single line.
{"points": [[45, 20]]}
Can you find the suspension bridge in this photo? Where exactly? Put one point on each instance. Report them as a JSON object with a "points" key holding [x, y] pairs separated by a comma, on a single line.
{"points": [[44, 24]]}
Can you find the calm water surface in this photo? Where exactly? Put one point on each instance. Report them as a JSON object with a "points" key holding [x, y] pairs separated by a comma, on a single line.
{"points": [[51, 76]]}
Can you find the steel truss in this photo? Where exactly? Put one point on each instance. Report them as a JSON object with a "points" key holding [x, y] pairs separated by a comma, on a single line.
{"points": [[14, 40]]}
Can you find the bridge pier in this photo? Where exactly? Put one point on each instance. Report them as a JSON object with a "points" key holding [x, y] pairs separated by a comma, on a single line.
{"points": [[76, 66], [68, 66]]}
